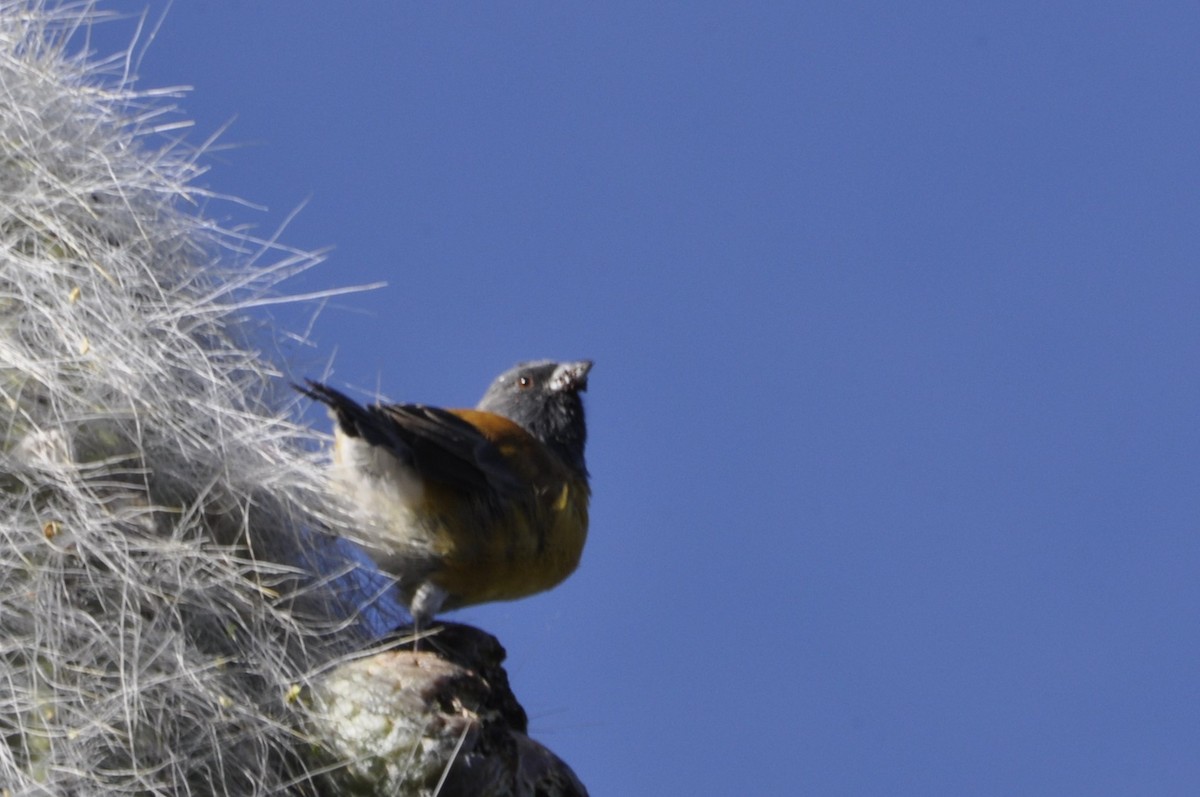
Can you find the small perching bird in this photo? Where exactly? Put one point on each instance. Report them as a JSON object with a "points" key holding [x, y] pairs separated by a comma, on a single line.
{"points": [[469, 506]]}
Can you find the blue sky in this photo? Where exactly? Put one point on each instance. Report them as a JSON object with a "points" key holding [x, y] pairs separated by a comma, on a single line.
{"points": [[894, 310]]}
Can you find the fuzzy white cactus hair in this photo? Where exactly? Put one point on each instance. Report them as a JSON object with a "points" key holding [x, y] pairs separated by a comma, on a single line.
{"points": [[157, 507]]}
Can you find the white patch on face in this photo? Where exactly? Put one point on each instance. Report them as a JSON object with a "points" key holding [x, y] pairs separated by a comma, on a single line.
{"points": [[567, 374], [561, 377]]}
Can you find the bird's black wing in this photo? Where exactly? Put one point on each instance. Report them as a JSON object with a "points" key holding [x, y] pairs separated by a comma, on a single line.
{"points": [[448, 449], [434, 442]]}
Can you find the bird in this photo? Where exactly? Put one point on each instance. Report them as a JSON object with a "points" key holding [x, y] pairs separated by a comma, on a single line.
{"points": [[468, 506]]}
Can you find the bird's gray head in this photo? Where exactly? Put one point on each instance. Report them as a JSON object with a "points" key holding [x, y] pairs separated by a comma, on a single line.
{"points": [[543, 398]]}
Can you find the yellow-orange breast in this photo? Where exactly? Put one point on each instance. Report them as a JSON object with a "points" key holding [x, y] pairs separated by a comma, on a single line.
{"points": [[527, 542]]}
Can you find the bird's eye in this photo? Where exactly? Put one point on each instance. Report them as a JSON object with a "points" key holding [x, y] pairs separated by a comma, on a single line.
{"points": [[524, 382]]}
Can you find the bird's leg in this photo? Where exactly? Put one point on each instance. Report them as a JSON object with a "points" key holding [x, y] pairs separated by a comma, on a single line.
{"points": [[426, 602]]}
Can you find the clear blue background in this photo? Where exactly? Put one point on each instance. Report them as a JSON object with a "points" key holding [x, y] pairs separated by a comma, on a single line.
{"points": [[894, 309]]}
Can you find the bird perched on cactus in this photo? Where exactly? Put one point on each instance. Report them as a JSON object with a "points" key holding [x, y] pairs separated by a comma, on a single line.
{"points": [[466, 506]]}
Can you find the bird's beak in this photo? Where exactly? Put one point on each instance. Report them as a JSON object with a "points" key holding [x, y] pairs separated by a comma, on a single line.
{"points": [[571, 376]]}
